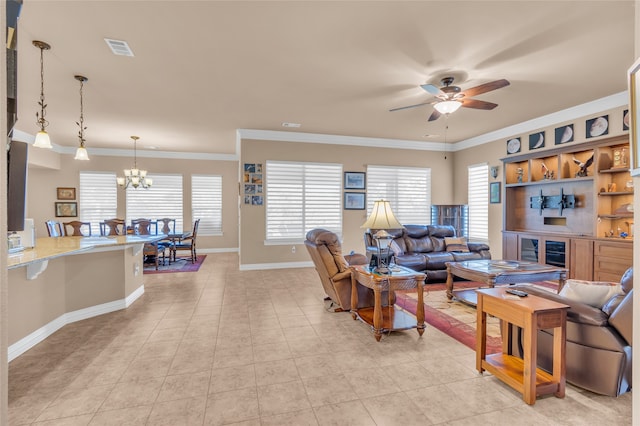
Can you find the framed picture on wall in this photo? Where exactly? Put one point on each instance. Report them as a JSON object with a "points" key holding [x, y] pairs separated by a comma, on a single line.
{"points": [[66, 193], [354, 180], [66, 209], [494, 192], [354, 200]]}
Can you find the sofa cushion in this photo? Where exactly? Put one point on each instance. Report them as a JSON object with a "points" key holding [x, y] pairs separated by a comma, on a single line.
{"points": [[419, 245], [477, 246], [332, 242], [441, 231], [438, 244], [437, 260], [415, 261], [416, 231], [622, 318], [456, 244], [464, 256], [593, 293]]}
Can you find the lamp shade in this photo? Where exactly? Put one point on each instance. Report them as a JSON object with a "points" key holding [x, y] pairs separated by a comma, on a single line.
{"points": [[42, 140], [447, 107], [381, 217], [81, 154]]}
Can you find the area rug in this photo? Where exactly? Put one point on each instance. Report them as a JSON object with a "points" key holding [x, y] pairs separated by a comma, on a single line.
{"points": [[180, 265], [454, 318]]}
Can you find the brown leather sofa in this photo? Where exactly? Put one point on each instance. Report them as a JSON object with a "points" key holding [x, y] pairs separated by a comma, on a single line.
{"points": [[423, 249], [599, 341], [325, 250]]}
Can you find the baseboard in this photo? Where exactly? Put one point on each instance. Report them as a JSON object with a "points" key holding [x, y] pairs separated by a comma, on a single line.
{"points": [[29, 341], [284, 265], [218, 250]]}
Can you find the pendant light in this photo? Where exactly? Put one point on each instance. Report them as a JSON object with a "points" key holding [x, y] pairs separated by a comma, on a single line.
{"points": [[81, 152], [42, 137], [135, 177]]}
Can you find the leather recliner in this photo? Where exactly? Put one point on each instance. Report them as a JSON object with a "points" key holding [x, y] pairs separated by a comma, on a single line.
{"points": [[325, 250], [599, 341]]}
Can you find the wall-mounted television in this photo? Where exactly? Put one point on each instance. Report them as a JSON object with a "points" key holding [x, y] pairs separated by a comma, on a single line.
{"points": [[16, 185]]}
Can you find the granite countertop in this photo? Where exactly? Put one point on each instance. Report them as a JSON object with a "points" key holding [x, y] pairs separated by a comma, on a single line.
{"points": [[50, 247]]}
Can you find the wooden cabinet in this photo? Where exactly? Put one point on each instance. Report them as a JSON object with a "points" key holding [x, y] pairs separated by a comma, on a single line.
{"points": [[560, 213]]}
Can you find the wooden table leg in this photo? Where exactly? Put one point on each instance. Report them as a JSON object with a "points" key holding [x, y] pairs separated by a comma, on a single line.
{"points": [[530, 346], [420, 308], [559, 352], [377, 312], [354, 295], [481, 334], [449, 283]]}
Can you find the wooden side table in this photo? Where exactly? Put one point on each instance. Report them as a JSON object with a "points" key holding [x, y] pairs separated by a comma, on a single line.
{"points": [[531, 313], [387, 318]]}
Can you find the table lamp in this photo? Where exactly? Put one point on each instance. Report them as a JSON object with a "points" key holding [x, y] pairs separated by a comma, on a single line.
{"points": [[382, 218]]}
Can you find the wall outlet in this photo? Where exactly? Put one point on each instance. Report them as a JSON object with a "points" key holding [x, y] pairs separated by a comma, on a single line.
{"points": [[293, 249], [136, 269]]}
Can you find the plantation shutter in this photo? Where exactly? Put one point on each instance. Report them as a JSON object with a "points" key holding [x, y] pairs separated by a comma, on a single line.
{"points": [[98, 198], [163, 199], [301, 197], [408, 189], [206, 203], [478, 187]]}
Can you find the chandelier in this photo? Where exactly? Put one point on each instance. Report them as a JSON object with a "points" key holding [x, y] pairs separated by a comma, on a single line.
{"points": [[81, 152], [42, 137], [135, 177]]}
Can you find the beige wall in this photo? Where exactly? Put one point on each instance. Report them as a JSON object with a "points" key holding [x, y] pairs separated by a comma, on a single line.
{"points": [[354, 159], [41, 193]]}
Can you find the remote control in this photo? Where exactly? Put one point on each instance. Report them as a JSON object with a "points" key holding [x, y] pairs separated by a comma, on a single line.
{"points": [[517, 292]]}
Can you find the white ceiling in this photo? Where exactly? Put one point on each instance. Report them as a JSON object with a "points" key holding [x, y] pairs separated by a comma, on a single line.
{"points": [[203, 69]]}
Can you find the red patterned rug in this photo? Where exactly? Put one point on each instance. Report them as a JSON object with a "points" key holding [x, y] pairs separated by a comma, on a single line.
{"points": [[180, 265], [454, 318]]}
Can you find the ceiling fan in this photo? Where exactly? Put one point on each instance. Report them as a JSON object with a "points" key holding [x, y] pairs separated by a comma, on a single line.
{"points": [[449, 97]]}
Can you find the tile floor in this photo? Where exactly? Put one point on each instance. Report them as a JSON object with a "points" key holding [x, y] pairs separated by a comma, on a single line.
{"points": [[258, 348]]}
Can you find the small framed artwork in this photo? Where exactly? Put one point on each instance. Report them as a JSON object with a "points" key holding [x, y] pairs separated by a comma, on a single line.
{"points": [[257, 200], [354, 180], [513, 146], [597, 126], [494, 192], [354, 200], [249, 188], [625, 120], [536, 140], [66, 193], [564, 134], [66, 209]]}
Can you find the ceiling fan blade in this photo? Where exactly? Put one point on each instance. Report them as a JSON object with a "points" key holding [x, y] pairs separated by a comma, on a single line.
{"points": [[434, 115], [432, 89], [477, 104], [487, 87], [409, 106]]}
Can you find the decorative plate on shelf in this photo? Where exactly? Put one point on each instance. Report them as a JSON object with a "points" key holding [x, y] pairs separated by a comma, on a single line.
{"points": [[513, 145]]}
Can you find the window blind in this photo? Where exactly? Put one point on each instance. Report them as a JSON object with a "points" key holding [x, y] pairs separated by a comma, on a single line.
{"points": [[163, 199], [206, 203], [98, 198], [408, 189], [478, 200], [301, 197]]}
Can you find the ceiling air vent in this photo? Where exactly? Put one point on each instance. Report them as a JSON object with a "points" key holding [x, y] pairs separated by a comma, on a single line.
{"points": [[119, 47]]}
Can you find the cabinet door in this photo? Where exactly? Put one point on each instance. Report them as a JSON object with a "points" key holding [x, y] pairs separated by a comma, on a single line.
{"points": [[529, 248], [581, 260], [510, 246], [611, 260]]}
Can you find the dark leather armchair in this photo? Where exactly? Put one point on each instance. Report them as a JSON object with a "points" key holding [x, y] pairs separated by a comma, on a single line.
{"points": [[333, 268], [599, 341]]}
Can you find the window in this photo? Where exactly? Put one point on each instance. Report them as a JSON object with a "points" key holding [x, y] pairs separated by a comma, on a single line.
{"points": [[163, 199], [407, 188], [98, 198], [206, 203], [301, 197], [478, 197]]}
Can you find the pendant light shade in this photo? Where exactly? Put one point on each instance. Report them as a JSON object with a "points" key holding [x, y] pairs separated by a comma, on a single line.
{"points": [[447, 107], [81, 152], [42, 137]]}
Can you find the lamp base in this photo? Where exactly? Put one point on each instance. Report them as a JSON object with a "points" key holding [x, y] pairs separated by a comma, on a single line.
{"points": [[382, 270]]}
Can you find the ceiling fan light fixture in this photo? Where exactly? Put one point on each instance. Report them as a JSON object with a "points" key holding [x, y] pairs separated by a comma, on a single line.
{"points": [[447, 107]]}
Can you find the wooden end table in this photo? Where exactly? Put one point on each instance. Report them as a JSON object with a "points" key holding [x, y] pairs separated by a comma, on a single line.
{"points": [[387, 318], [531, 313]]}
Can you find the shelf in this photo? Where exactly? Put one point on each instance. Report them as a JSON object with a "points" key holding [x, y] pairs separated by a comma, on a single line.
{"points": [[615, 216], [549, 182], [609, 194], [618, 170]]}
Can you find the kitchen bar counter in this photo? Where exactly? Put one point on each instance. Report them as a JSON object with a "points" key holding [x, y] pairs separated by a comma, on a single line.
{"points": [[68, 279]]}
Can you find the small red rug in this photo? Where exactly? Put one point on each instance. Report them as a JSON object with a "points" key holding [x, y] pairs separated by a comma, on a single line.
{"points": [[180, 265], [452, 317]]}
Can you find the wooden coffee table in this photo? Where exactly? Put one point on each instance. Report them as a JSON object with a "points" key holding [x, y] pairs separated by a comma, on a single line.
{"points": [[387, 318], [531, 313], [492, 272]]}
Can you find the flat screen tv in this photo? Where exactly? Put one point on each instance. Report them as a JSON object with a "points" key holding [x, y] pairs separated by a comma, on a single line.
{"points": [[16, 185]]}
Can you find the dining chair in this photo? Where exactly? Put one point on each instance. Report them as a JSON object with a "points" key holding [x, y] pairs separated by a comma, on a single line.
{"points": [[188, 243], [111, 227], [54, 228], [142, 226], [167, 225], [77, 228], [152, 252]]}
